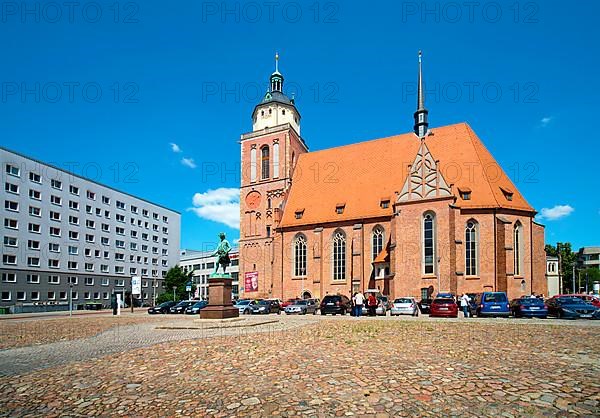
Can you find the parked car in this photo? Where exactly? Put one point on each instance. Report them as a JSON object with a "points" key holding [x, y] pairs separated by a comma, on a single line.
{"points": [[572, 308], [404, 306], [593, 299], [163, 308], [181, 306], [275, 305], [302, 307], [444, 307], [424, 305], [196, 307], [289, 302], [263, 307], [243, 306], [335, 304], [492, 304], [528, 308]]}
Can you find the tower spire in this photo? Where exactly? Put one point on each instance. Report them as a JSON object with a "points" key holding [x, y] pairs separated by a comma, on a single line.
{"points": [[277, 77], [421, 124]]}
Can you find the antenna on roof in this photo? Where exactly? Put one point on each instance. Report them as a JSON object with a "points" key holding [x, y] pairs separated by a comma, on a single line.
{"points": [[421, 124]]}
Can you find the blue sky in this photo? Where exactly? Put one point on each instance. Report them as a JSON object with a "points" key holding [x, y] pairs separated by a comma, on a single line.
{"points": [[111, 86]]}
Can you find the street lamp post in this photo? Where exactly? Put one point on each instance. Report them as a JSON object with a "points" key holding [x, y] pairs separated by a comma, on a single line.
{"points": [[70, 299], [174, 289]]}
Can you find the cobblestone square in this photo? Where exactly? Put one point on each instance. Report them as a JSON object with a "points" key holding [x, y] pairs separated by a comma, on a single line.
{"points": [[306, 366]]}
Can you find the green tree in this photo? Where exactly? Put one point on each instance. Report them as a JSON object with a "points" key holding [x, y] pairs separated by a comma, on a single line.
{"points": [[177, 278]]}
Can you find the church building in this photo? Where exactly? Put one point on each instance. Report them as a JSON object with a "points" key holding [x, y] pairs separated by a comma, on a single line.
{"points": [[413, 214]]}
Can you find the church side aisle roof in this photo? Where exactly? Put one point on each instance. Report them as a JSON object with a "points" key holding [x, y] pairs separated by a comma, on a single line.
{"points": [[359, 176]]}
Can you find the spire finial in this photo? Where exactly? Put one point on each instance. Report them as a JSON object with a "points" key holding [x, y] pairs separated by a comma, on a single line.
{"points": [[276, 61], [421, 124]]}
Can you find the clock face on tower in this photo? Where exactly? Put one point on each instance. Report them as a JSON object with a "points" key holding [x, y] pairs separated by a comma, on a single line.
{"points": [[253, 199]]}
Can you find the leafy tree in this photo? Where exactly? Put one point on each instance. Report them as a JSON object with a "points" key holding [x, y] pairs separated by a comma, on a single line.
{"points": [[175, 277]]}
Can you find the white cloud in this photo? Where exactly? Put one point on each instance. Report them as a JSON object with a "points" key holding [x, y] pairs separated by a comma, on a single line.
{"points": [[174, 147], [557, 212], [219, 205], [188, 162], [545, 121]]}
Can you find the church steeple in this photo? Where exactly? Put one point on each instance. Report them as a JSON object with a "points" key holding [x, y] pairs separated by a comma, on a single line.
{"points": [[421, 123], [276, 77]]}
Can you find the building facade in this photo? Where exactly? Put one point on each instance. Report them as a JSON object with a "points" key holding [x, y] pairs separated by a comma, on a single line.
{"points": [[202, 264], [64, 232], [588, 257], [409, 215]]}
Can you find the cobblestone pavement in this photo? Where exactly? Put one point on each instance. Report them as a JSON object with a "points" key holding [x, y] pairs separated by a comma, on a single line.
{"points": [[330, 367]]}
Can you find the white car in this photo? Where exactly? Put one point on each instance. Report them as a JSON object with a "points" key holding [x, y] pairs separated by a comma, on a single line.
{"points": [[404, 306], [243, 306]]}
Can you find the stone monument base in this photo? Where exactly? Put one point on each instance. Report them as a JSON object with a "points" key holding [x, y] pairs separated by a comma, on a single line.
{"points": [[219, 298]]}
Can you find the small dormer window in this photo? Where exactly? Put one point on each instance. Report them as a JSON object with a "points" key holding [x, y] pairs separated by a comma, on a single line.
{"points": [[262, 112], [339, 208], [270, 111], [465, 193], [298, 213], [508, 193], [384, 203], [283, 112]]}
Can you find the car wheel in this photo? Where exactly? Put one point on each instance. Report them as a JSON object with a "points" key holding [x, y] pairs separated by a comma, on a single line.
{"points": [[559, 315], [315, 312], [322, 313], [247, 312]]}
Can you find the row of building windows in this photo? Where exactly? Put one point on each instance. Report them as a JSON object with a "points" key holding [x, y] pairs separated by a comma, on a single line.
{"points": [[55, 231], [34, 295], [56, 184], [71, 280], [429, 244]]}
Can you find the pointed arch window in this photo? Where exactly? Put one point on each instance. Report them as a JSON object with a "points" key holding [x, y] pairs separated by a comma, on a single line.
{"points": [[299, 247], [253, 164], [339, 256], [265, 162], [429, 243], [275, 160], [471, 248], [377, 239], [518, 248]]}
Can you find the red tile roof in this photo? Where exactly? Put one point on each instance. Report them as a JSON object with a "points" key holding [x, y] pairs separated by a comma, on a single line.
{"points": [[359, 174]]}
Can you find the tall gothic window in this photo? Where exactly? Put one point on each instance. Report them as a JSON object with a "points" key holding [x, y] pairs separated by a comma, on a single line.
{"points": [[253, 164], [265, 163], [275, 160], [428, 243], [471, 248], [377, 242], [518, 248], [339, 256], [300, 255]]}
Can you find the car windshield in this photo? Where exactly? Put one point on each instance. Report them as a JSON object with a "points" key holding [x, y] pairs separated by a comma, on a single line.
{"points": [[166, 304], [402, 300], [263, 302], [571, 300], [443, 301], [531, 301], [198, 304], [331, 299], [243, 302], [494, 297], [301, 302]]}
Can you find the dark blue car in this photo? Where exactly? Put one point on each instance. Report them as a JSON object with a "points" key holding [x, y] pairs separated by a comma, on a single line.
{"points": [[572, 308], [528, 308], [492, 304]]}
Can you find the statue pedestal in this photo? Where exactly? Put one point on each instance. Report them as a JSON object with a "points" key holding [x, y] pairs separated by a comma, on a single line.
{"points": [[219, 298]]}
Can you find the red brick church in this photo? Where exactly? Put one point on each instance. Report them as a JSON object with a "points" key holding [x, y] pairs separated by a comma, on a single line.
{"points": [[428, 210]]}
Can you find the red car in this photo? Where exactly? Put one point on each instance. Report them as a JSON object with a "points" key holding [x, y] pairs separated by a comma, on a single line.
{"points": [[444, 307], [289, 302], [593, 299]]}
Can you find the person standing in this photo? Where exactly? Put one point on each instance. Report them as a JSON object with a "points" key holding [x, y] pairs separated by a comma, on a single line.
{"points": [[353, 299], [359, 300], [372, 304], [464, 303]]}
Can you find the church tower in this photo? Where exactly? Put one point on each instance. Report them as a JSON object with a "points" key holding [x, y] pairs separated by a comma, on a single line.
{"points": [[268, 156]]}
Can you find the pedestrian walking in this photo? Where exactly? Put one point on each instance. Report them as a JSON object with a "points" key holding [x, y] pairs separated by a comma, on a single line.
{"points": [[372, 304], [360, 301], [464, 304], [353, 312]]}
